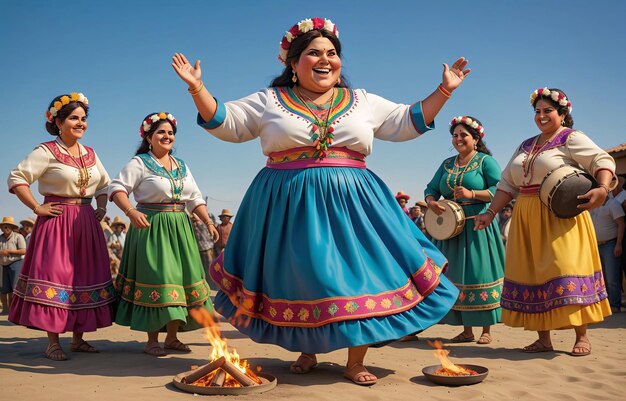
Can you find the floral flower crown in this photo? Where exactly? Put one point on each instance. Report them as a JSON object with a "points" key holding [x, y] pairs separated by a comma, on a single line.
{"points": [[554, 95], [51, 113], [469, 122], [147, 123], [301, 27]]}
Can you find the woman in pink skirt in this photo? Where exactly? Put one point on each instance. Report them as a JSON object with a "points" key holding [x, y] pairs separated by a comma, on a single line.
{"points": [[65, 282]]}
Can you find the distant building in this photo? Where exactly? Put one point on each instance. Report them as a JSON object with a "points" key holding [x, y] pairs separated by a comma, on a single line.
{"points": [[619, 154]]}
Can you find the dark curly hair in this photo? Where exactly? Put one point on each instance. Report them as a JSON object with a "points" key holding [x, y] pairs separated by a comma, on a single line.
{"points": [[480, 145], [144, 146], [562, 110], [62, 114], [297, 47]]}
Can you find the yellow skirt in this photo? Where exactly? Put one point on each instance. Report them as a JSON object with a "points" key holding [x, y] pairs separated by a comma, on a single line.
{"points": [[552, 275]]}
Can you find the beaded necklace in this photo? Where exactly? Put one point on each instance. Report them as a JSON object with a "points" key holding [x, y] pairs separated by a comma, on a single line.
{"points": [[530, 157], [176, 184], [83, 172], [456, 170], [321, 131]]}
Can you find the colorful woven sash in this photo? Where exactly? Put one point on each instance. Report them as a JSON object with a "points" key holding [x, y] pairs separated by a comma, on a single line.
{"points": [[529, 190], [161, 207], [308, 156]]}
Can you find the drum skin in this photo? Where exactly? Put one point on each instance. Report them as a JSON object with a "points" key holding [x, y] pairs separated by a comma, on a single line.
{"points": [[561, 187], [447, 225]]}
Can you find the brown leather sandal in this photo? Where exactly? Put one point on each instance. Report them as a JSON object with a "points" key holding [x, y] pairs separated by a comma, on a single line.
{"points": [[304, 364], [54, 352], [537, 346], [358, 371]]}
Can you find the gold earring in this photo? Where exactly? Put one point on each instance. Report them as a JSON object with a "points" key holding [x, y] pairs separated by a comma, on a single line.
{"points": [[294, 79], [339, 81]]}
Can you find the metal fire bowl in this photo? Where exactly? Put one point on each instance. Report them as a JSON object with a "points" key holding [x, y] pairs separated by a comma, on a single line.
{"points": [[429, 372], [269, 382]]}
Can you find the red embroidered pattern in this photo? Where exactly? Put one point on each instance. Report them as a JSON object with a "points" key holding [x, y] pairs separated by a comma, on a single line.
{"points": [[90, 157], [299, 313]]}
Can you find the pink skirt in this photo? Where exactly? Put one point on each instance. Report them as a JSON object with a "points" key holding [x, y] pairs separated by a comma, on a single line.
{"points": [[65, 281]]}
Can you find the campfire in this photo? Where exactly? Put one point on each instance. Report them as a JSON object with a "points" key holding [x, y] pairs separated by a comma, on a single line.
{"points": [[449, 374], [447, 367], [227, 373]]}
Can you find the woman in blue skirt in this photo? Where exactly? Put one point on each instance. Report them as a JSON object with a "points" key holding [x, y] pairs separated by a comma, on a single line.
{"points": [[321, 257]]}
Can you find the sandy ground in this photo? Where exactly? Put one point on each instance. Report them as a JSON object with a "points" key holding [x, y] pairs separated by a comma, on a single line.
{"points": [[122, 372]]}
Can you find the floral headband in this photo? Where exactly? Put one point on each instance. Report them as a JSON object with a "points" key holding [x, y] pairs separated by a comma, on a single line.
{"points": [[469, 122], [147, 123], [301, 27], [51, 113], [554, 95]]}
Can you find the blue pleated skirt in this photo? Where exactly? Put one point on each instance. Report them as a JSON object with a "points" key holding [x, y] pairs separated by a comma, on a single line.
{"points": [[324, 258]]}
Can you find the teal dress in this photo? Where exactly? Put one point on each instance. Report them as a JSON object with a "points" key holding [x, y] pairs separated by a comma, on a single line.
{"points": [[475, 258]]}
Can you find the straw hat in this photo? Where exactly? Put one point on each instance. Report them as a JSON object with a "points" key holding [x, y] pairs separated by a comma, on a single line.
{"points": [[8, 221], [27, 222], [421, 203], [402, 195], [226, 212], [118, 222]]}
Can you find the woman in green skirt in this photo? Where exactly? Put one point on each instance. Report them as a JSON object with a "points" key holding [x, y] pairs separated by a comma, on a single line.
{"points": [[475, 258], [161, 275]]}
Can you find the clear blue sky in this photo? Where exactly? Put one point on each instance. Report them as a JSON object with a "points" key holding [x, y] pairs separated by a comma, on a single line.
{"points": [[118, 53]]}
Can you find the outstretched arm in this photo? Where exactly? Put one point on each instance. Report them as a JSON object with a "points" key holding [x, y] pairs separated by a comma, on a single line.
{"points": [[205, 103], [451, 79]]}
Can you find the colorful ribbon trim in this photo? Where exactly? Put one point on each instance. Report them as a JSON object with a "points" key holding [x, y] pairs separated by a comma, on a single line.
{"points": [[561, 291], [315, 313], [64, 296], [161, 295], [479, 296]]}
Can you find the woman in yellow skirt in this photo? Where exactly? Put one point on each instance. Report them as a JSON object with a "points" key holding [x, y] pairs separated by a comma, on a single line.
{"points": [[553, 276]]}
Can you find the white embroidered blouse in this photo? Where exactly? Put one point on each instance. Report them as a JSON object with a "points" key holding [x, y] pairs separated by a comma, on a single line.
{"points": [[148, 181], [57, 173], [282, 121], [567, 147]]}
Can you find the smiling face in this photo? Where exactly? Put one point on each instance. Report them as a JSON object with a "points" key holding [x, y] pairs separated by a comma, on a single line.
{"points": [[162, 140], [547, 117], [6, 230], [319, 66], [74, 126], [462, 140]]}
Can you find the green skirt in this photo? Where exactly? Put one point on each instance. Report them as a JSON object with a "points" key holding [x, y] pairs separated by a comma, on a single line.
{"points": [[476, 267], [161, 275]]}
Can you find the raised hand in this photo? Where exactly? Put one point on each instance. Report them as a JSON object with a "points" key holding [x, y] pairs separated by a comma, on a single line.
{"points": [[182, 67], [455, 74]]}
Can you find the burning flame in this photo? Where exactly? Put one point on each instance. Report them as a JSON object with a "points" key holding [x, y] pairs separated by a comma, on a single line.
{"points": [[220, 345], [447, 367]]}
